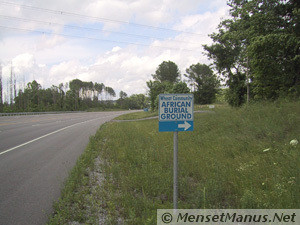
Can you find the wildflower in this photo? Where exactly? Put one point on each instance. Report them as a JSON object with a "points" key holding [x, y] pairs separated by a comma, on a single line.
{"points": [[294, 142]]}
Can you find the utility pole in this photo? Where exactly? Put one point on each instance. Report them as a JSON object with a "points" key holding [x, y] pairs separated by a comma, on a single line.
{"points": [[15, 85], [11, 85]]}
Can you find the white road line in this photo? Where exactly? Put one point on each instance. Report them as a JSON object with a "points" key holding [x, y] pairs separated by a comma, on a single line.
{"points": [[46, 135]]}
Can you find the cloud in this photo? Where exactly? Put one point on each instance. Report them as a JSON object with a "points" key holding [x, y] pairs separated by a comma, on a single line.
{"points": [[23, 61], [116, 49], [54, 59], [112, 11], [112, 14], [46, 42], [64, 72], [22, 68]]}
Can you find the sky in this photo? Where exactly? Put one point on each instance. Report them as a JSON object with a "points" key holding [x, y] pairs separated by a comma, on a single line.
{"points": [[116, 42]]}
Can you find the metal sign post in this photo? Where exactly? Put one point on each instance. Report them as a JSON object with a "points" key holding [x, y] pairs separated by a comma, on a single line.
{"points": [[175, 171], [176, 113]]}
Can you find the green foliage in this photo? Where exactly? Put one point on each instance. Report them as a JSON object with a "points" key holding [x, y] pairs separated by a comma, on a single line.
{"points": [[156, 88], [81, 95], [110, 91], [220, 96], [167, 71], [228, 55], [135, 101], [236, 93], [75, 85], [137, 115], [206, 83], [180, 87], [166, 80], [121, 101], [259, 45], [281, 77], [122, 94]]}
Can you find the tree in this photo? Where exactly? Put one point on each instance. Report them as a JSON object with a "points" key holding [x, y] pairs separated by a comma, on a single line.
{"points": [[259, 48], [136, 101], [71, 100], [122, 94], [30, 99], [180, 88], [206, 83], [274, 39], [99, 87], [156, 88], [110, 91], [121, 100], [75, 86], [235, 94], [230, 59], [166, 80], [20, 101], [167, 71], [62, 94], [33, 92], [282, 75]]}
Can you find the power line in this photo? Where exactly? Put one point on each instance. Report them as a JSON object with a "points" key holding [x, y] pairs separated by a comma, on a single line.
{"points": [[97, 39], [88, 28], [96, 18]]}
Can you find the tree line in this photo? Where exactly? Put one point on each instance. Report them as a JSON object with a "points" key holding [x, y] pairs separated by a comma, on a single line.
{"points": [[75, 95], [135, 101]]}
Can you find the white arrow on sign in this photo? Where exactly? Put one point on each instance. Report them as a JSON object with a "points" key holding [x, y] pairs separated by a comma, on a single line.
{"points": [[184, 125]]}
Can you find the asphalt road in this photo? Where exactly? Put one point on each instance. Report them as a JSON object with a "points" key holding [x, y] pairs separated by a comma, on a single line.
{"points": [[36, 155]]}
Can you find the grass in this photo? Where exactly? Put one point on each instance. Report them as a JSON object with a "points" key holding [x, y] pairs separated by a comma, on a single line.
{"points": [[137, 115], [104, 109], [234, 158], [78, 198]]}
